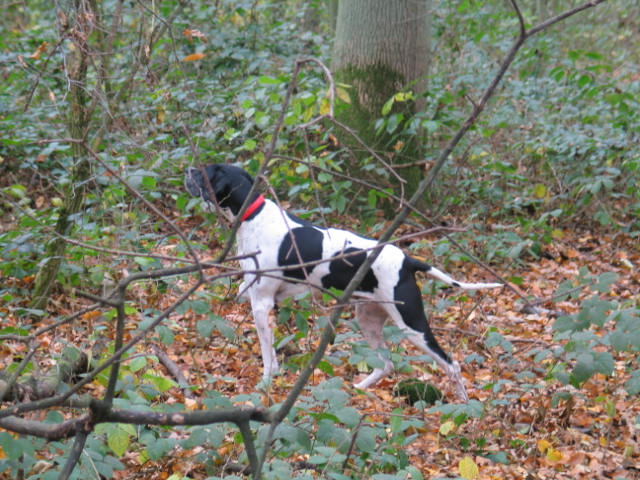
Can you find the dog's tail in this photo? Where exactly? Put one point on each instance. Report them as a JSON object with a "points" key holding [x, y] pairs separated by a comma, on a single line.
{"points": [[419, 266]]}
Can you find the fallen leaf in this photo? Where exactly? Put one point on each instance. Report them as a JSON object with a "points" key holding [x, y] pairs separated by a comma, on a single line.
{"points": [[468, 468], [447, 427], [193, 57]]}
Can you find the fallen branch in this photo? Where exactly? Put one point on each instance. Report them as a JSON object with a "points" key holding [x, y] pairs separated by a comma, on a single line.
{"points": [[73, 362], [173, 368]]}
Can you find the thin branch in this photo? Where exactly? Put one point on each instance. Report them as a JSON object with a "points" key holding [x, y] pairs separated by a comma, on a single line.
{"points": [[174, 370], [250, 447], [198, 417], [81, 436]]}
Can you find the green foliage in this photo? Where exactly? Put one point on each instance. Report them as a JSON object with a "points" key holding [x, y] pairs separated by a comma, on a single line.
{"points": [[600, 328], [342, 441], [561, 141]]}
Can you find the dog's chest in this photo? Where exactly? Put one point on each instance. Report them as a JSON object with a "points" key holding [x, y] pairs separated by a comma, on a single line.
{"points": [[261, 237]]}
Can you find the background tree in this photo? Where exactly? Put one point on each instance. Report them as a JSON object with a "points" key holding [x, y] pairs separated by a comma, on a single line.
{"points": [[76, 26], [381, 48]]}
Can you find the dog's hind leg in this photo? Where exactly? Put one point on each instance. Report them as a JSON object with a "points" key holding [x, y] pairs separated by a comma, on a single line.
{"points": [[427, 343], [408, 313], [371, 318]]}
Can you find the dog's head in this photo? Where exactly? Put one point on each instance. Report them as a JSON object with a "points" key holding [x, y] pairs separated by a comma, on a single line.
{"points": [[230, 185]]}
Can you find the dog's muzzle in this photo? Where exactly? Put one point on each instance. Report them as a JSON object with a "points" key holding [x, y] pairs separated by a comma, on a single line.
{"points": [[194, 183]]}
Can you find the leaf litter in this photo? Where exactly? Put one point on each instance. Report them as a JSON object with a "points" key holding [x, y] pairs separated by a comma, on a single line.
{"points": [[530, 427]]}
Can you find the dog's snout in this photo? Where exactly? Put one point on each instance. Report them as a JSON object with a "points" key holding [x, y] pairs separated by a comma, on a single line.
{"points": [[193, 181]]}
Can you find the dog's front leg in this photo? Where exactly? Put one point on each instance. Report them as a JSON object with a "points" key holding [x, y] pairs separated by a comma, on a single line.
{"points": [[261, 307]]}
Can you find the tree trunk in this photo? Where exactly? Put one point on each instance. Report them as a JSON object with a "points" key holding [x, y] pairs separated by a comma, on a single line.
{"points": [[332, 14], [381, 47], [77, 62]]}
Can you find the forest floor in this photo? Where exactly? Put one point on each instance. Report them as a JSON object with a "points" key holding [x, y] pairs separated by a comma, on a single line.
{"points": [[593, 433]]}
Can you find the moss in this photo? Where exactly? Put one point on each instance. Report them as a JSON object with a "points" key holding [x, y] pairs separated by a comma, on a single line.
{"points": [[418, 391], [371, 87]]}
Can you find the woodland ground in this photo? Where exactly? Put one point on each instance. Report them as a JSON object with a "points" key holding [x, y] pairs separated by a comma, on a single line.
{"points": [[592, 434]]}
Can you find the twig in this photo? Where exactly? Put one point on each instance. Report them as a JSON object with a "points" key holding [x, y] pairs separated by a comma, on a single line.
{"points": [[174, 370]]}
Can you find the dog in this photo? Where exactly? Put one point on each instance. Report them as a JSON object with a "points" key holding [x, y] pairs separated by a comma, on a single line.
{"points": [[300, 257]]}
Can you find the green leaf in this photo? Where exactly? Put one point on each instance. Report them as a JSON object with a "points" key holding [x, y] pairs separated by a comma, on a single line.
{"points": [[119, 439], [372, 198], [326, 367], [165, 334], [197, 436], [386, 108], [9, 446], [206, 327], [349, 416], [159, 447], [265, 80], [394, 121], [137, 363], [603, 362], [395, 422], [584, 368], [605, 281], [149, 182], [161, 383], [430, 125], [633, 384], [498, 457], [366, 439]]}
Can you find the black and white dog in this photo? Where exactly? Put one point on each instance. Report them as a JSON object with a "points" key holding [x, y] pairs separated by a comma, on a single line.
{"points": [[302, 257]]}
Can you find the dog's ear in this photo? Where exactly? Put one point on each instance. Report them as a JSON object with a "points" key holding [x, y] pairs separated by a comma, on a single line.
{"points": [[219, 181], [230, 184]]}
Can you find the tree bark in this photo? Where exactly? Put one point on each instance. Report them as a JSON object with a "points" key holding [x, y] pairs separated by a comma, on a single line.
{"points": [[381, 47], [77, 62]]}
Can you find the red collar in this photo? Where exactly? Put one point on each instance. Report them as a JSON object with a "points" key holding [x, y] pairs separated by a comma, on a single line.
{"points": [[257, 203]]}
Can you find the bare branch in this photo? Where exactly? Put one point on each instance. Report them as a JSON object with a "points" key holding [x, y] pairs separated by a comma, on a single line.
{"points": [[49, 431], [199, 417]]}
